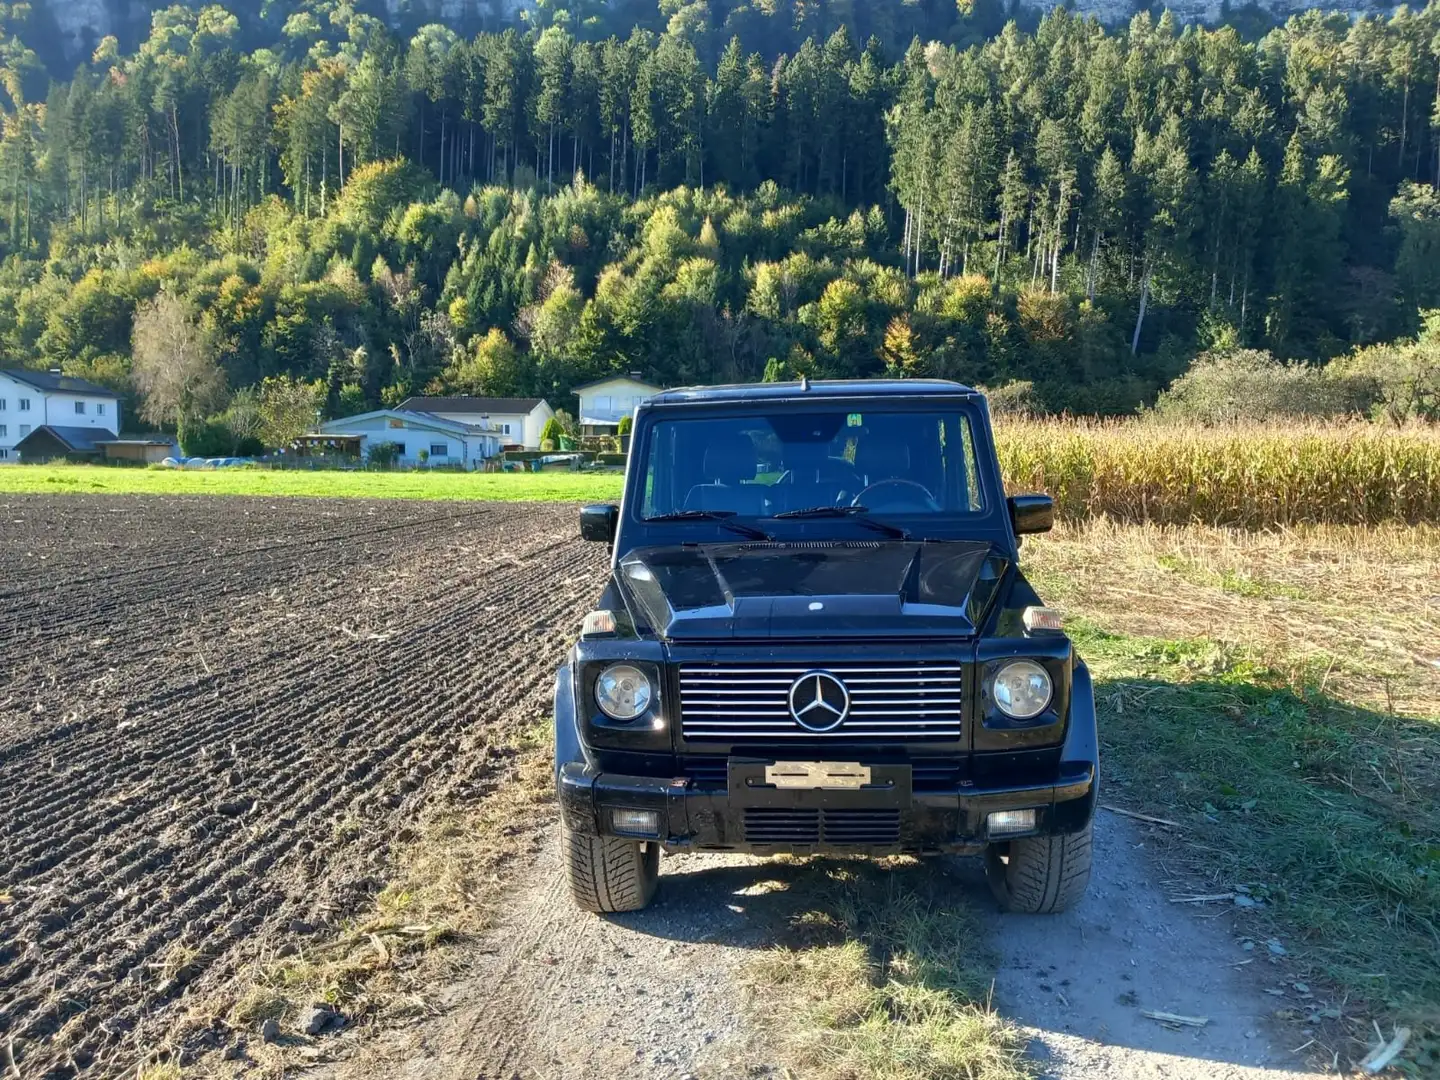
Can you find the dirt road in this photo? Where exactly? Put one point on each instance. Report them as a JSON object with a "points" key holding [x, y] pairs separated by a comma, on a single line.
{"points": [[659, 994], [1079, 981]]}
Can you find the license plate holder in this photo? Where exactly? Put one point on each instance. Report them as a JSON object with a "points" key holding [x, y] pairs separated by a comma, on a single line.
{"points": [[824, 775], [888, 786]]}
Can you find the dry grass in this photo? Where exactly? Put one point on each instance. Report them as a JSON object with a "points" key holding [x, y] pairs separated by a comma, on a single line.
{"points": [[1248, 476], [890, 983], [1278, 695], [1356, 611]]}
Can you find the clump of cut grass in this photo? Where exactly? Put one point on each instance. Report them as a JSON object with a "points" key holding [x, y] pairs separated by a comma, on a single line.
{"points": [[893, 985], [1250, 476], [1239, 582]]}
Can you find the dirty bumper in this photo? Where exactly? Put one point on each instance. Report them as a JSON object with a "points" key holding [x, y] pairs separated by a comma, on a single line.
{"points": [[882, 815]]}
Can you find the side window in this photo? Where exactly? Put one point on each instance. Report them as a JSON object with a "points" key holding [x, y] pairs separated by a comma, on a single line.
{"points": [[439, 449], [24, 404], [24, 430], [79, 408], [959, 455], [3, 404], [3, 431], [99, 408]]}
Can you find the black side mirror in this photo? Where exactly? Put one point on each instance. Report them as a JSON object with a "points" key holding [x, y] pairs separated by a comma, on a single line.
{"points": [[1031, 513], [598, 522]]}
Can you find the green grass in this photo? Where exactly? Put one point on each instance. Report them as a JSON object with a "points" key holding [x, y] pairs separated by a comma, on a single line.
{"points": [[1323, 810], [887, 977], [1234, 581], [503, 487]]}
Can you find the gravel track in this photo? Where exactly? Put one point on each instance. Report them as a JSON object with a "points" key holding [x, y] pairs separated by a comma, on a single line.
{"points": [[558, 994], [198, 693]]}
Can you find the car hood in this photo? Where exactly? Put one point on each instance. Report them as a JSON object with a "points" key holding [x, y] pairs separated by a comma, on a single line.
{"points": [[808, 590]]}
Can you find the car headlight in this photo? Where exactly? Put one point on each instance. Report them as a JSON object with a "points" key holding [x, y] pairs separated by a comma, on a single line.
{"points": [[1023, 689], [623, 692]]}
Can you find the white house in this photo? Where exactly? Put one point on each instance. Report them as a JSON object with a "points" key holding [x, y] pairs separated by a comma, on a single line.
{"points": [[603, 403], [443, 441], [34, 399], [518, 421]]}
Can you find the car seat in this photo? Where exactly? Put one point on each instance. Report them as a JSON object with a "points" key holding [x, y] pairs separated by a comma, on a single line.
{"points": [[729, 461], [879, 458]]}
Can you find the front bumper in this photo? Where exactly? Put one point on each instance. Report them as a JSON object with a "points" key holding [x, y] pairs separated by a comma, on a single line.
{"points": [[888, 817], [885, 818]]}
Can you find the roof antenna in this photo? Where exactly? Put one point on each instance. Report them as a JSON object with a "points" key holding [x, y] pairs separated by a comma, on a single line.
{"points": [[804, 382]]}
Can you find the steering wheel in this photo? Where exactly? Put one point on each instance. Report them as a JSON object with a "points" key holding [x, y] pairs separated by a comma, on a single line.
{"points": [[926, 500]]}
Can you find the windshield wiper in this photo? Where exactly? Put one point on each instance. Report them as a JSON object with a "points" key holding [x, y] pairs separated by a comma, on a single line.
{"points": [[857, 512], [722, 516]]}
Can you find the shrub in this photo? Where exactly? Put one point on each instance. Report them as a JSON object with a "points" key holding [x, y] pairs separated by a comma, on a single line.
{"points": [[1013, 399], [551, 433], [215, 438], [626, 423], [382, 455], [1252, 385], [1399, 381]]}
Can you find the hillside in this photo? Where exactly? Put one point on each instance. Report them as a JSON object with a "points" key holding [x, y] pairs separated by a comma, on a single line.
{"points": [[734, 194], [65, 32]]}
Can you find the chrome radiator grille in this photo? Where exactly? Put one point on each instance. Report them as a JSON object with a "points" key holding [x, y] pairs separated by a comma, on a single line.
{"points": [[888, 701]]}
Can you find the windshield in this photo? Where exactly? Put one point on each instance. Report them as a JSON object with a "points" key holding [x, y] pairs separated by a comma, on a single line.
{"points": [[788, 462]]}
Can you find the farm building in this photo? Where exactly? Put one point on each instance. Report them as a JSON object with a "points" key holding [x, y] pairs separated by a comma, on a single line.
{"points": [[30, 400], [146, 448], [56, 443], [441, 440], [518, 421], [604, 403]]}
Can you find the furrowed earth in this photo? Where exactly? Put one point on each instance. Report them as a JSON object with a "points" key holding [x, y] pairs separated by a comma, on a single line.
{"points": [[198, 695]]}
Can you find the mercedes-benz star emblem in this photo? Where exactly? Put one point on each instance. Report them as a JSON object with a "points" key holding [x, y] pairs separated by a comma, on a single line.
{"points": [[819, 701]]}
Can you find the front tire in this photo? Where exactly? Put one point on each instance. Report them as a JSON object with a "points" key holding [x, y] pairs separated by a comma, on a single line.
{"points": [[1040, 875], [608, 874]]}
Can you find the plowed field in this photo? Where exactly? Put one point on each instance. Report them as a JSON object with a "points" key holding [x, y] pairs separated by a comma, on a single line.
{"points": [[200, 697]]}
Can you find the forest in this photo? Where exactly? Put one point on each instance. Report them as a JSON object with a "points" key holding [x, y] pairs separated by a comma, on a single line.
{"points": [[319, 206]]}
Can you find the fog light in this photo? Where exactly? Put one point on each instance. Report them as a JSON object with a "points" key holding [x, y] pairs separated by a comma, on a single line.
{"points": [[1009, 822], [636, 821]]}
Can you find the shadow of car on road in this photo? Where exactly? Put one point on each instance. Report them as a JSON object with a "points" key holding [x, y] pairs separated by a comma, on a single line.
{"points": [[1077, 981]]}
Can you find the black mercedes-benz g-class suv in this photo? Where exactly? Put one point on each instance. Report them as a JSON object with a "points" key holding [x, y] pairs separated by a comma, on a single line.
{"points": [[816, 638]]}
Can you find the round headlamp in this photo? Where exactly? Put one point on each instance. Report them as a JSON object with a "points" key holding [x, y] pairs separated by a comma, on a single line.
{"points": [[623, 692], [1023, 689]]}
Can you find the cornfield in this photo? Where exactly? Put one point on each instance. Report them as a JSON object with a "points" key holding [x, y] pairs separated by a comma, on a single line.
{"points": [[1247, 476]]}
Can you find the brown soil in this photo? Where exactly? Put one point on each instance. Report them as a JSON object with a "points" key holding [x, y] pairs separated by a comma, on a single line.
{"points": [[215, 716]]}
